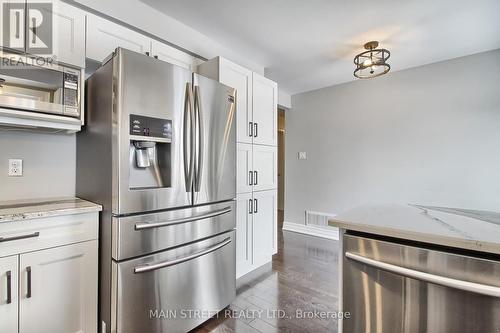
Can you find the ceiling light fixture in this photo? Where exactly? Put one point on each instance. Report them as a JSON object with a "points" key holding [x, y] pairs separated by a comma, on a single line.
{"points": [[371, 63]]}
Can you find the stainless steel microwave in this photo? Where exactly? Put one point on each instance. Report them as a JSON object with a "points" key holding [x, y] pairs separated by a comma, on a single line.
{"points": [[37, 85]]}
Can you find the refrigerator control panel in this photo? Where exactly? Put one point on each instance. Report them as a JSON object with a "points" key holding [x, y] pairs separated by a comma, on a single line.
{"points": [[151, 127]]}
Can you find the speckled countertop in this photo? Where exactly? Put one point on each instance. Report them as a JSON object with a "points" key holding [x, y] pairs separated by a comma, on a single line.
{"points": [[33, 209], [460, 228]]}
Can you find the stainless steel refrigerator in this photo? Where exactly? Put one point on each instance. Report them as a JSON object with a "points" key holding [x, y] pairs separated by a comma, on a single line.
{"points": [[159, 153]]}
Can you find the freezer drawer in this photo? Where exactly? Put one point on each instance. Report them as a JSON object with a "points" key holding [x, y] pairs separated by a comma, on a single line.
{"points": [[175, 290], [391, 287], [143, 234]]}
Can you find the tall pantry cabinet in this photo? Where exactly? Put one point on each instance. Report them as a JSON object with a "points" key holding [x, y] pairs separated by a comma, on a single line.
{"points": [[257, 162]]}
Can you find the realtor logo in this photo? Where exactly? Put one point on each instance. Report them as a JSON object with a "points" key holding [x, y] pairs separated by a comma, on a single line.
{"points": [[28, 27]]}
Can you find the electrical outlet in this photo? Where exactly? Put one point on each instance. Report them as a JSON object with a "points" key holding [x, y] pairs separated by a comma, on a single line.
{"points": [[302, 155], [15, 167]]}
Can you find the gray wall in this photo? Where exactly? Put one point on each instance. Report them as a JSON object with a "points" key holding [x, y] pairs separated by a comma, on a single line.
{"points": [[427, 135], [48, 164]]}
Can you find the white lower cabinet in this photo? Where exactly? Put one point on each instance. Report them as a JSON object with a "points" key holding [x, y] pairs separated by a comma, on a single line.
{"points": [[59, 283], [265, 220], [49, 287], [256, 230], [244, 226], [9, 300]]}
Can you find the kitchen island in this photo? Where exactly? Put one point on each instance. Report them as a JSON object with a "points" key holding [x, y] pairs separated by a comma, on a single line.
{"points": [[419, 269]]}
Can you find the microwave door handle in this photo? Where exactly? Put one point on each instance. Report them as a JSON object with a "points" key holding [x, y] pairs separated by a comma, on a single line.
{"points": [[473, 287], [201, 137], [163, 264]]}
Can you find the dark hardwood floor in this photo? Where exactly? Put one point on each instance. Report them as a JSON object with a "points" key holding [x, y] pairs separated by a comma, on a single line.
{"points": [[303, 279]]}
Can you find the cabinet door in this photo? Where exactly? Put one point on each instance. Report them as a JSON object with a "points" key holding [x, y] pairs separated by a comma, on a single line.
{"points": [[240, 78], [265, 222], [172, 55], [59, 289], [9, 294], [103, 37], [265, 111], [244, 172], [244, 213], [265, 166], [68, 36], [12, 33]]}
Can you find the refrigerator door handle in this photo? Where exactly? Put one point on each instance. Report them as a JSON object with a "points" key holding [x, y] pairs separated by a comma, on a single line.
{"points": [[201, 137], [163, 264], [188, 136], [477, 288], [210, 214]]}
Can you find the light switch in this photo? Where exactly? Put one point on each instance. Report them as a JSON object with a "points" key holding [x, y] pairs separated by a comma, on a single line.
{"points": [[15, 167], [302, 155]]}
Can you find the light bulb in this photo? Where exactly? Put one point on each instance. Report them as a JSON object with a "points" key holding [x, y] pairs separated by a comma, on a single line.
{"points": [[367, 63]]}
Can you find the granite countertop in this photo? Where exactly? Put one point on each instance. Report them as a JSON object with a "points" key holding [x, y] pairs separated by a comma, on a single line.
{"points": [[38, 208], [460, 228]]}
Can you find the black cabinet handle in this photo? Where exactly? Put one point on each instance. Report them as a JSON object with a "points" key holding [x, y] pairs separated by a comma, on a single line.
{"points": [[250, 178], [255, 125], [250, 129], [9, 287], [156, 57], [255, 177], [147, 53], [250, 206], [28, 289], [8, 239], [17, 24], [33, 39], [255, 210]]}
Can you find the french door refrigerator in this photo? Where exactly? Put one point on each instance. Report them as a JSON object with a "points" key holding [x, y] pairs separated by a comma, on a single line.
{"points": [[159, 153]]}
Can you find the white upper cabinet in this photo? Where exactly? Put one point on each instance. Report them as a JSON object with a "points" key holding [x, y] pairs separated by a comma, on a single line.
{"points": [[28, 22], [172, 55], [104, 36], [265, 166], [265, 111], [59, 283], [68, 25], [14, 37], [9, 300], [240, 78]]}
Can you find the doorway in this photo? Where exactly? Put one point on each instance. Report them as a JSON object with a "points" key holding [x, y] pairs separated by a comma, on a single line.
{"points": [[281, 167]]}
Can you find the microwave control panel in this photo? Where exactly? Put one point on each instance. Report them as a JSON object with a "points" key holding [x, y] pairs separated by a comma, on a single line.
{"points": [[70, 89], [152, 127]]}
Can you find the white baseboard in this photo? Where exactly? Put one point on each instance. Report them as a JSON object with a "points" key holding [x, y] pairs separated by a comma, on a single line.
{"points": [[328, 232]]}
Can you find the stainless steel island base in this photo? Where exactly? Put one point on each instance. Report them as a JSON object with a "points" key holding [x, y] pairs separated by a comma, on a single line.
{"points": [[391, 286]]}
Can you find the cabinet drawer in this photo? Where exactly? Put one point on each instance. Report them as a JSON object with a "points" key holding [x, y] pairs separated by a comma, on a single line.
{"points": [[31, 235]]}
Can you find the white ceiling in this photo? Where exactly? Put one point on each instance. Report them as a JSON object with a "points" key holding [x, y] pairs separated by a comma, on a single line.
{"points": [[305, 45]]}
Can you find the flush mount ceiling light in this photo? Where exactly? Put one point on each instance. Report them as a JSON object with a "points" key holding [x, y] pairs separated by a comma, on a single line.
{"points": [[371, 63]]}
